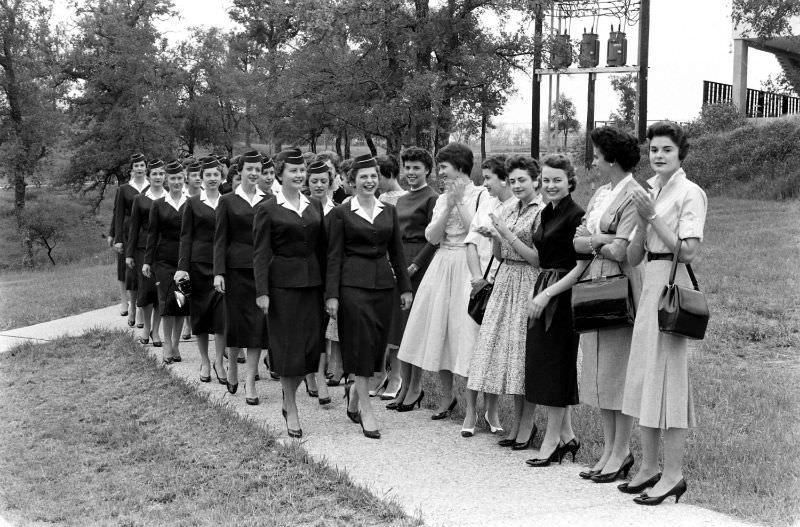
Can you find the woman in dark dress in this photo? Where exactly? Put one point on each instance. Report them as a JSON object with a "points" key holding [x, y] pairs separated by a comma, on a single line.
{"points": [[245, 324], [146, 294], [118, 234], [195, 262], [161, 258], [360, 283], [289, 255], [551, 377]]}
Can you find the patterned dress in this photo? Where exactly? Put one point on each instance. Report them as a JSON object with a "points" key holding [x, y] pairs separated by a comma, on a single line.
{"points": [[498, 362]]}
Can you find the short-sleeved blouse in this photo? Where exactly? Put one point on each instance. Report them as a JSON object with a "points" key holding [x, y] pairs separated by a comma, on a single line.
{"points": [[553, 237], [455, 231], [681, 204], [522, 221]]}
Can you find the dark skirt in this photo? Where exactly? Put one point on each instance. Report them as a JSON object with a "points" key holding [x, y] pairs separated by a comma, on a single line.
{"points": [[551, 355], [400, 317], [122, 271], [146, 294], [165, 285], [205, 303], [296, 330], [245, 323], [364, 319]]}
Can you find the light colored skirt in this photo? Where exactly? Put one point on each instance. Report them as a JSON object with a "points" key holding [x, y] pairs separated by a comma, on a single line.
{"points": [[440, 335], [498, 363], [657, 388]]}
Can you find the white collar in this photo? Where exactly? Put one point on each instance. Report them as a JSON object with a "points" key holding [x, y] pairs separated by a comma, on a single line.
{"points": [[327, 207], [173, 204], [356, 207], [205, 199], [673, 179], [256, 197], [139, 190], [283, 202], [152, 196]]}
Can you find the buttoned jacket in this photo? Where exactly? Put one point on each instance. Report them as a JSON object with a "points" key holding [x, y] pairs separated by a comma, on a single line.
{"points": [[233, 235], [197, 234]]}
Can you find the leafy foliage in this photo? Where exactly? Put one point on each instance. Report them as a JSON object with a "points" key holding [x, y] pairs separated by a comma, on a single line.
{"points": [[765, 18], [625, 88]]}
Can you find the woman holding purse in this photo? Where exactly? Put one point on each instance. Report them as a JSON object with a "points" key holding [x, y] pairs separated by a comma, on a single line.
{"points": [[611, 219], [657, 388]]}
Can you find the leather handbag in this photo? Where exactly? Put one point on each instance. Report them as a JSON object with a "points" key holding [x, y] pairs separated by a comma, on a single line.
{"points": [[602, 303], [480, 299], [681, 310]]}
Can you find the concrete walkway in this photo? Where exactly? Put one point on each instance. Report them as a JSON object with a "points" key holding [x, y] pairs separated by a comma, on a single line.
{"points": [[424, 465]]}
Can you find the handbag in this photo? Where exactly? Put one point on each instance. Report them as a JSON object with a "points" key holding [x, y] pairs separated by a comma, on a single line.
{"points": [[480, 299], [681, 310], [602, 303]]}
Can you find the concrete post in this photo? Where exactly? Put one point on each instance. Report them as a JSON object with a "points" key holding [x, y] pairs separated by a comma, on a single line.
{"points": [[739, 95]]}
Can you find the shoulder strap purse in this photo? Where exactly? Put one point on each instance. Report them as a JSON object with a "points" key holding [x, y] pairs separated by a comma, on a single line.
{"points": [[603, 302], [480, 299], [682, 311]]}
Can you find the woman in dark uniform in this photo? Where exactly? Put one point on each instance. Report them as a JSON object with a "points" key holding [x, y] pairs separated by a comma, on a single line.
{"points": [[245, 324], [146, 295], [551, 376], [161, 258], [196, 260], [360, 283], [289, 255], [120, 224]]}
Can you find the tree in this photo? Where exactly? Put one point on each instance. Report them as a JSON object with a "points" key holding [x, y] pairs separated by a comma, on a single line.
{"points": [[47, 222], [780, 85], [625, 87], [563, 114], [765, 18]]}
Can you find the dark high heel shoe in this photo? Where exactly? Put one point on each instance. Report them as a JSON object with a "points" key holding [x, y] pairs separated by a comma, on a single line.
{"points": [[297, 434], [353, 416], [177, 358], [394, 405], [627, 488], [402, 407], [324, 400], [613, 476], [156, 343], [587, 474], [131, 323], [552, 458], [372, 434], [335, 381], [526, 444], [445, 414], [231, 387], [207, 378], [219, 379], [124, 314], [572, 446], [509, 441], [252, 401], [167, 361], [311, 393], [676, 491]]}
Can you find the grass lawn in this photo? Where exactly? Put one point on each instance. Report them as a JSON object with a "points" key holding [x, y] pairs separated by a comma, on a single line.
{"points": [[95, 433], [743, 458]]}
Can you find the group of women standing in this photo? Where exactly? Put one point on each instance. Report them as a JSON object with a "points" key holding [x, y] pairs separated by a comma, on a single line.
{"points": [[273, 268]]}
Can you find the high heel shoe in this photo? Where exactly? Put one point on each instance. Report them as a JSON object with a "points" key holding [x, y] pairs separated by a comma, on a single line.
{"points": [[382, 386], [139, 325], [445, 413], [526, 444], [393, 405], [676, 491], [335, 381], [469, 432], [392, 395], [492, 429], [613, 476], [572, 446], [219, 379], [207, 378], [231, 387], [353, 416], [556, 455], [324, 400], [252, 401], [372, 434], [311, 393], [587, 474], [402, 407], [156, 343], [297, 434], [177, 358], [627, 488]]}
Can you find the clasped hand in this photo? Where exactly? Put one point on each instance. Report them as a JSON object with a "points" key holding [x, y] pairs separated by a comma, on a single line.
{"points": [[455, 192], [263, 303], [645, 205], [536, 307]]}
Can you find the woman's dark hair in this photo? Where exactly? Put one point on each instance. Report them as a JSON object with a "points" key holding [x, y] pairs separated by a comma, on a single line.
{"points": [[526, 163], [458, 155], [420, 155], [388, 166], [496, 165], [329, 156], [674, 132], [561, 162], [617, 146]]}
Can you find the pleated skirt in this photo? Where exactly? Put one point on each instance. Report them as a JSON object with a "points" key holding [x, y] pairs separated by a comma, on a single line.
{"points": [[364, 319], [165, 286], [296, 330], [206, 305], [245, 323], [657, 387], [146, 293]]}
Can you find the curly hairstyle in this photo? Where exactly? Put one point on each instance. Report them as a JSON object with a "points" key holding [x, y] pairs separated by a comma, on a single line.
{"points": [[327, 155], [458, 155], [496, 164], [617, 146], [420, 155], [672, 130], [561, 162], [526, 163], [388, 166]]}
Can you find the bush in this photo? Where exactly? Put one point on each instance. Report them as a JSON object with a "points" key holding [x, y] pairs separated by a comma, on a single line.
{"points": [[714, 118]]}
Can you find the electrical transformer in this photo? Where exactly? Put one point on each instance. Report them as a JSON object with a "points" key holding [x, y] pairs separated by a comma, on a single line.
{"points": [[617, 50], [590, 50]]}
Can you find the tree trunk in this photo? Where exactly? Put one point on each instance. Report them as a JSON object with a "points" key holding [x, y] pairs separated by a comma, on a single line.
{"points": [[483, 136], [371, 144], [339, 143], [347, 154]]}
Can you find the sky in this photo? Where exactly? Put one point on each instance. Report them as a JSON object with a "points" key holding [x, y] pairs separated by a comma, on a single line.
{"points": [[690, 41]]}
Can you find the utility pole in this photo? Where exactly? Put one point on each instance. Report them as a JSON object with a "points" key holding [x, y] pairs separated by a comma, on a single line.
{"points": [[644, 49], [536, 84]]}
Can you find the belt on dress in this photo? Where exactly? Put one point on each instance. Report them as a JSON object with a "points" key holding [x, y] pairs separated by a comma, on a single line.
{"points": [[659, 256], [548, 277], [453, 246]]}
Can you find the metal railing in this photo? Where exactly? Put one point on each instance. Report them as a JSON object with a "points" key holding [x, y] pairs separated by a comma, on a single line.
{"points": [[759, 103]]}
